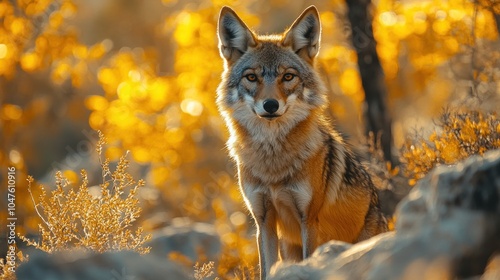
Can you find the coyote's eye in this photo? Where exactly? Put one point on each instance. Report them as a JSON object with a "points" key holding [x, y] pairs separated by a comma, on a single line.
{"points": [[288, 77], [251, 77]]}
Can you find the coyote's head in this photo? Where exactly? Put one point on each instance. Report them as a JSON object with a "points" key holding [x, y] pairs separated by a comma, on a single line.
{"points": [[269, 82]]}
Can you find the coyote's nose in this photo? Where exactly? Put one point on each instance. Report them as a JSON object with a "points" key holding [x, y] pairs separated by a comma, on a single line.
{"points": [[271, 105]]}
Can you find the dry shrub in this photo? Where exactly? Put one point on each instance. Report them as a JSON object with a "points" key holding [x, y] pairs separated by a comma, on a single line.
{"points": [[75, 218], [390, 180], [204, 271], [5, 272], [459, 134], [383, 173]]}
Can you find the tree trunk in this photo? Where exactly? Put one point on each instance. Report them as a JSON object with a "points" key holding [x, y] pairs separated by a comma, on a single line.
{"points": [[376, 114], [497, 21]]}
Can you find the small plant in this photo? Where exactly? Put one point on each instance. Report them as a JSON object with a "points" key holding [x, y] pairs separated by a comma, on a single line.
{"points": [[75, 218], [6, 272], [204, 271], [383, 172], [458, 136]]}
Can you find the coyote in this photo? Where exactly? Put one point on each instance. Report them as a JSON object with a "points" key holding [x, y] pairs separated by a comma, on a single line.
{"points": [[300, 181]]}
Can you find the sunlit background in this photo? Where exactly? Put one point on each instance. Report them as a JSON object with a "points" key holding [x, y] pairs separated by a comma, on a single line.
{"points": [[145, 74]]}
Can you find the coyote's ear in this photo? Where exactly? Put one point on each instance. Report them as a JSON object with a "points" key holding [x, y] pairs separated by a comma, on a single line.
{"points": [[234, 35], [304, 34]]}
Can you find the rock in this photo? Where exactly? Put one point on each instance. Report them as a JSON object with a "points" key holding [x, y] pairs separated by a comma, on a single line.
{"points": [[192, 240], [447, 227], [80, 265]]}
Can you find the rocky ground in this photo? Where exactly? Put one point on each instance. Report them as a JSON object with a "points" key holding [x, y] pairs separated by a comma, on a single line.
{"points": [[448, 227]]}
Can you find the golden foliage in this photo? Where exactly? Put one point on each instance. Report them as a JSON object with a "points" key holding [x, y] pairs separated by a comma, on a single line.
{"points": [[459, 135], [430, 32], [35, 36], [80, 219], [204, 271], [161, 114]]}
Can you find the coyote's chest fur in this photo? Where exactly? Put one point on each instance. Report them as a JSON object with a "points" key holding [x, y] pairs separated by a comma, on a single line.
{"points": [[275, 169], [276, 160]]}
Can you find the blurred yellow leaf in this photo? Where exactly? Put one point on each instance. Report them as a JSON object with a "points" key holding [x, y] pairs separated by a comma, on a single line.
{"points": [[96, 103], [11, 112], [71, 176], [192, 107], [350, 82], [30, 62], [141, 154], [61, 72], [441, 27], [68, 9], [160, 174], [3, 51], [18, 26], [96, 121], [185, 32], [56, 19], [113, 153], [80, 51], [97, 51]]}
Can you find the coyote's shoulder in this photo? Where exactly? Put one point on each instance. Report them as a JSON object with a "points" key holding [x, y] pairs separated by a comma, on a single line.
{"points": [[299, 179]]}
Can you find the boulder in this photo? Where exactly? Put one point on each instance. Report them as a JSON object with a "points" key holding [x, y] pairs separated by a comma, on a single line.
{"points": [[193, 240], [82, 265], [447, 227]]}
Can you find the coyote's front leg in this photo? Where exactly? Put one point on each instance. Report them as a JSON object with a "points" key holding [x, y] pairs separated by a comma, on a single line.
{"points": [[264, 214], [267, 241], [307, 236]]}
